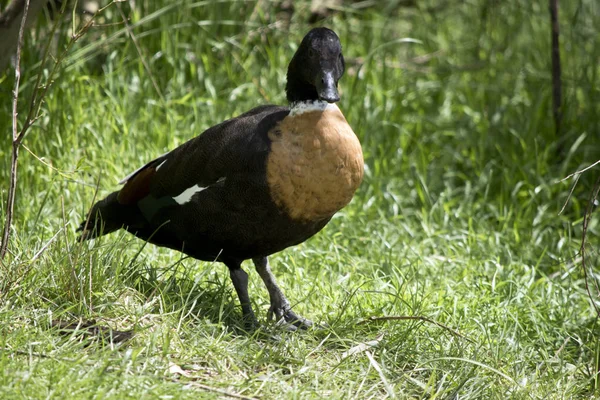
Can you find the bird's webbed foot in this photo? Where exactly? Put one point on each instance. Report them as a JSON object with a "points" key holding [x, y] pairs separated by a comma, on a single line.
{"points": [[285, 316], [280, 306]]}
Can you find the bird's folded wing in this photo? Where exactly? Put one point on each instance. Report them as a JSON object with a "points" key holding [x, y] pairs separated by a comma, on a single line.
{"points": [[238, 145]]}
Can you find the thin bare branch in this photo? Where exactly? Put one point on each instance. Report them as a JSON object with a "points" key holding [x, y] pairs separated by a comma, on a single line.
{"points": [[570, 195], [36, 101], [10, 201], [580, 171]]}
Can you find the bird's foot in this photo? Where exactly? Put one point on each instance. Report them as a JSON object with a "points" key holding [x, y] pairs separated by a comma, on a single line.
{"points": [[285, 316]]}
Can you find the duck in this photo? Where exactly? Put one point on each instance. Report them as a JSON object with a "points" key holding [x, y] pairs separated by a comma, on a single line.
{"points": [[250, 186]]}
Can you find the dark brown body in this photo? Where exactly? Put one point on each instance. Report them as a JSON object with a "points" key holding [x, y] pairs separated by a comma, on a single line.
{"points": [[278, 187]]}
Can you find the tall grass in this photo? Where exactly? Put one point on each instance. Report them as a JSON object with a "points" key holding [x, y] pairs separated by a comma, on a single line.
{"points": [[457, 219]]}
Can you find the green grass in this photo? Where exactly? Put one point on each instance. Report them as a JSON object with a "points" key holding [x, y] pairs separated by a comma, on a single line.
{"points": [[457, 219]]}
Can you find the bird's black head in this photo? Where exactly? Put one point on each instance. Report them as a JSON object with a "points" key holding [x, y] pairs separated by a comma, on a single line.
{"points": [[317, 66]]}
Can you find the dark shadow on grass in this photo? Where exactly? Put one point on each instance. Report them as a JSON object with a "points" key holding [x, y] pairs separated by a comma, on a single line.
{"points": [[91, 331], [195, 296]]}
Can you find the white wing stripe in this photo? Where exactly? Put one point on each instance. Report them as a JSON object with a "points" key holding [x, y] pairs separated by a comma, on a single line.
{"points": [[187, 194]]}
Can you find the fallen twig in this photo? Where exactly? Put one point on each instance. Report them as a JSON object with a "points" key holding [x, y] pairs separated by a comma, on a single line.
{"points": [[415, 318]]}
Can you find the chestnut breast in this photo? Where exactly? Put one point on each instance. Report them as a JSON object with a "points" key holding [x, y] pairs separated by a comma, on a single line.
{"points": [[315, 164]]}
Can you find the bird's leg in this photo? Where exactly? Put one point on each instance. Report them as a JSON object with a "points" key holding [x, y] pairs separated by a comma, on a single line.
{"points": [[239, 277], [280, 306]]}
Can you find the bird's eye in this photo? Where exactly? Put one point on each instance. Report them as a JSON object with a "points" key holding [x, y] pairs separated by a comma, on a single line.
{"points": [[311, 53]]}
